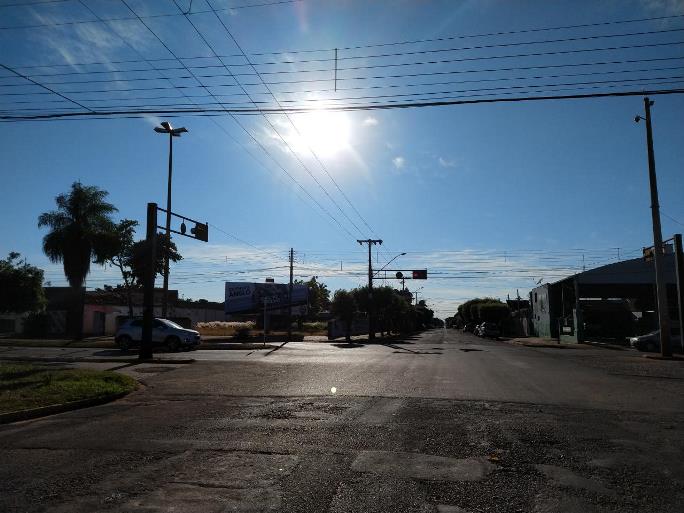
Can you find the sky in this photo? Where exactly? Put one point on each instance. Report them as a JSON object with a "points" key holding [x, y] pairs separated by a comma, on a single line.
{"points": [[491, 198]]}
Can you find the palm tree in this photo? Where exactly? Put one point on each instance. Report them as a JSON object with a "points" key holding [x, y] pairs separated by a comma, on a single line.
{"points": [[80, 232]]}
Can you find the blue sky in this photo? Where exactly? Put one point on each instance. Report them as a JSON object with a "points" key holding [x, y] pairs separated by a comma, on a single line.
{"points": [[523, 191]]}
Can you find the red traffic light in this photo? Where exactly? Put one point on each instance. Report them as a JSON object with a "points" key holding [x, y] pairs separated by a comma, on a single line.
{"points": [[420, 274]]}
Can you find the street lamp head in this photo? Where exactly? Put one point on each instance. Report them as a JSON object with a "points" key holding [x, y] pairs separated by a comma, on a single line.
{"points": [[637, 118], [160, 130], [166, 125], [402, 254], [177, 131]]}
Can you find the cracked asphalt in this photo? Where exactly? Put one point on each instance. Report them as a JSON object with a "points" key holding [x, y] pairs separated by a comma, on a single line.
{"points": [[441, 422]]}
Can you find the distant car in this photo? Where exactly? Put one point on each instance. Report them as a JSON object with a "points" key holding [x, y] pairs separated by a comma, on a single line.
{"points": [[164, 332], [489, 330], [651, 342]]}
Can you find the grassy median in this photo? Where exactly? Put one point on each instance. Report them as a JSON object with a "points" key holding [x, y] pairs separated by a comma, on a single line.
{"points": [[24, 386]]}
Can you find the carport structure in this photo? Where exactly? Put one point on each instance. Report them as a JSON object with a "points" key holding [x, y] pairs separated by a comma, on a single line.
{"points": [[611, 301]]}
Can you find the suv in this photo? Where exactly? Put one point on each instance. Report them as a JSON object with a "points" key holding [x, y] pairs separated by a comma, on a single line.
{"points": [[164, 332], [489, 330]]}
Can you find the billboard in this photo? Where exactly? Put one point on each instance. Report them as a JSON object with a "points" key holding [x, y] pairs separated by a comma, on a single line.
{"points": [[245, 297]]}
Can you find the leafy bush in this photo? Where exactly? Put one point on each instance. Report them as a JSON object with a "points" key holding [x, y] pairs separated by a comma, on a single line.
{"points": [[36, 324], [314, 326], [229, 329]]}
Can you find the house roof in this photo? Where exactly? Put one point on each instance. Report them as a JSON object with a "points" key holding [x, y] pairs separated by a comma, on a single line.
{"points": [[636, 271]]}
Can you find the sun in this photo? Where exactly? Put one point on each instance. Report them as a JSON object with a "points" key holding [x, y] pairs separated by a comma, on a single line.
{"points": [[326, 133]]}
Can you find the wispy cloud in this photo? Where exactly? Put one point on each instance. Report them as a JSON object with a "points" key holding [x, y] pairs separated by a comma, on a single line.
{"points": [[399, 162], [446, 163], [370, 121], [664, 7]]}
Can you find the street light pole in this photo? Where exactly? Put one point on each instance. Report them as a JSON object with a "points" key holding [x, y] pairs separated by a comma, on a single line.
{"points": [[661, 290], [166, 128], [165, 299], [388, 263]]}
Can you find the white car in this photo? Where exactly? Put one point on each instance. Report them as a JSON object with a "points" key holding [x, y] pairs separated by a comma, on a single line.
{"points": [[164, 332]]}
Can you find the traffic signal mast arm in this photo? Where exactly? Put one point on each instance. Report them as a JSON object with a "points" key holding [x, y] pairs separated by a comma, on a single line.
{"points": [[416, 274], [200, 231]]}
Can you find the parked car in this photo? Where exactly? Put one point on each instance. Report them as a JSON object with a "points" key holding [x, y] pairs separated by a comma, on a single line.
{"points": [[489, 330], [651, 341], [164, 332]]}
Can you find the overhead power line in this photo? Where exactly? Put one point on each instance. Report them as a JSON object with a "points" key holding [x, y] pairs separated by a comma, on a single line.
{"points": [[275, 130], [318, 160], [242, 126], [340, 108]]}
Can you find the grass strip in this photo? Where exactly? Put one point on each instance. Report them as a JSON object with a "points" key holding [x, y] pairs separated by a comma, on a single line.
{"points": [[25, 386]]}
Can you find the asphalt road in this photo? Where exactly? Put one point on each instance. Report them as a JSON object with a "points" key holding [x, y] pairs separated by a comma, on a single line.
{"points": [[441, 422]]}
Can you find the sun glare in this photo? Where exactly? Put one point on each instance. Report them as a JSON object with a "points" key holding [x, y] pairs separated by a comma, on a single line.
{"points": [[326, 133]]}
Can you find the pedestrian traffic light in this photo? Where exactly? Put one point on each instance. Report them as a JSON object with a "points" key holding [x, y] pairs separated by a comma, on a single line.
{"points": [[399, 275], [420, 274], [201, 231]]}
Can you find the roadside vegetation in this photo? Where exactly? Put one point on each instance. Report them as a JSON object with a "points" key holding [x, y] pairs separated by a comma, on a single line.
{"points": [[25, 386], [227, 329]]}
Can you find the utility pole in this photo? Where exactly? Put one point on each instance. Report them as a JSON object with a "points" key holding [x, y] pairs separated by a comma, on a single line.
{"points": [[289, 298], [661, 290], [679, 265], [371, 320], [148, 284]]}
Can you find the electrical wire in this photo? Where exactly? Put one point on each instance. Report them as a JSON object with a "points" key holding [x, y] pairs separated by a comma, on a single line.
{"points": [[304, 166]]}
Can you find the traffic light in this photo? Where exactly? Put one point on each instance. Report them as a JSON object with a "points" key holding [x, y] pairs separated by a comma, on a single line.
{"points": [[201, 231], [420, 274]]}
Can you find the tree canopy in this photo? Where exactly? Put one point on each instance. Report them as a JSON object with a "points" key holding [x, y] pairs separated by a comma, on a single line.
{"points": [[21, 285], [80, 231]]}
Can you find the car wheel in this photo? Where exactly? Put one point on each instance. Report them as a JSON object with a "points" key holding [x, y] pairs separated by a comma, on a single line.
{"points": [[124, 342], [173, 343]]}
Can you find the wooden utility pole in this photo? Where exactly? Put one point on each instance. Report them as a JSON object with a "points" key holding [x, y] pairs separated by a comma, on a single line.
{"points": [[661, 287], [371, 319]]}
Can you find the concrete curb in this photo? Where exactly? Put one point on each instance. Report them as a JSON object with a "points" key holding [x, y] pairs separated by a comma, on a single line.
{"points": [[48, 359], [16, 416]]}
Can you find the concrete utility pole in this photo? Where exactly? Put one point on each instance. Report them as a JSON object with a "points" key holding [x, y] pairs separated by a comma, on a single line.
{"points": [[166, 128], [661, 288], [289, 298], [148, 285], [371, 320], [679, 264]]}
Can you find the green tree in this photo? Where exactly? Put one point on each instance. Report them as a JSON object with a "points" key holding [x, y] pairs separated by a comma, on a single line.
{"points": [[319, 296], [80, 233], [495, 312], [344, 308], [138, 255], [21, 285], [119, 252], [131, 257]]}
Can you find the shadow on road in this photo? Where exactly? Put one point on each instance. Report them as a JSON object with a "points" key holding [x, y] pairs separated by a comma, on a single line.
{"points": [[351, 345]]}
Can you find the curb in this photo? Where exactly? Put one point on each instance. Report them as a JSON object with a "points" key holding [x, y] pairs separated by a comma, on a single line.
{"points": [[16, 416], [94, 360]]}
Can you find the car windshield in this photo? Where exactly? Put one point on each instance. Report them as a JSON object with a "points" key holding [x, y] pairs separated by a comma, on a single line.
{"points": [[170, 323]]}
